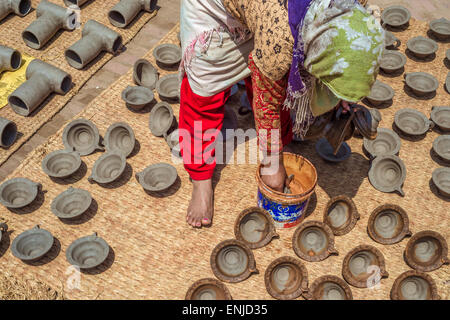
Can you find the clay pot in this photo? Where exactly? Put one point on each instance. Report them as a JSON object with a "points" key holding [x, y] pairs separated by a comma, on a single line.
{"points": [[87, 252], [341, 215], [168, 87], [157, 177], [392, 61], [82, 136], [441, 117], [137, 98], [421, 83], [387, 142], [18, 192], [286, 278], [388, 224], [441, 146], [414, 285], [8, 132], [173, 141], [412, 122], [61, 163], [313, 241], [364, 267], [167, 55], [329, 288], [254, 226], [380, 93], [161, 119], [366, 121], [120, 137], [230, 122], [391, 40], [447, 54], [395, 16], [422, 47], [426, 251], [441, 179], [32, 244], [108, 168], [447, 83], [72, 203], [208, 289], [325, 150], [145, 74], [441, 28], [232, 261], [387, 174]]}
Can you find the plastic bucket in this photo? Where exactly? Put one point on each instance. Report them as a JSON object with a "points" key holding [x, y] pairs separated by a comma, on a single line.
{"points": [[288, 210]]}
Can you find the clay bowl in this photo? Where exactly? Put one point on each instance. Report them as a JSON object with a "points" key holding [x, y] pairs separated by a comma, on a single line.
{"points": [[173, 141], [341, 215], [392, 61], [120, 137], [232, 261], [426, 251], [72, 203], [326, 152], [313, 241], [254, 226], [87, 252], [387, 142], [286, 278], [414, 285], [82, 136], [412, 122], [441, 179], [61, 163], [32, 244], [161, 119], [364, 267], [388, 224], [167, 55], [380, 93], [441, 117], [387, 174], [391, 40], [136, 98], [329, 288], [395, 16], [108, 167], [441, 146], [447, 55], [18, 192], [421, 83], [145, 74], [208, 289], [422, 47], [168, 87], [440, 28], [157, 177]]}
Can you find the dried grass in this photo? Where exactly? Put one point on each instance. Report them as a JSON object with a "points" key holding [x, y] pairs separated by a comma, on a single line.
{"points": [[12, 288]]}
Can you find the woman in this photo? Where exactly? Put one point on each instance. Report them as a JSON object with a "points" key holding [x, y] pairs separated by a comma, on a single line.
{"points": [[304, 57]]}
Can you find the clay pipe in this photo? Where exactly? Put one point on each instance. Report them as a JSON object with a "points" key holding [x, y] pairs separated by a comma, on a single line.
{"points": [[10, 59], [126, 10], [18, 7], [77, 3], [49, 19], [42, 79], [95, 38], [8, 132]]}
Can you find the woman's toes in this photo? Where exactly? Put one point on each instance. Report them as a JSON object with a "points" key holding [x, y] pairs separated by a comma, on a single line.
{"points": [[206, 222]]}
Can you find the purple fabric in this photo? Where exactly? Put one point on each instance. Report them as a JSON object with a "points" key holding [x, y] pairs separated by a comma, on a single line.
{"points": [[297, 10]]}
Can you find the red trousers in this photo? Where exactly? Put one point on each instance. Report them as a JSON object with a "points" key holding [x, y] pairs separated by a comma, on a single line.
{"points": [[201, 120]]}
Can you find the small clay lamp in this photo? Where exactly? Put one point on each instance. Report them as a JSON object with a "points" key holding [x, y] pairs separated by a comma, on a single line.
{"points": [[388, 224], [380, 93], [441, 117], [168, 87], [341, 215], [145, 74], [167, 55], [254, 226], [108, 168], [87, 252], [414, 285], [387, 142], [61, 163], [232, 261], [313, 241], [412, 122], [441, 179], [32, 245], [392, 61], [71, 204], [120, 137], [286, 278], [83, 136], [364, 267], [17, 193], [441, 28], [422, 47], [421, 83], [395, 16], [387, 174], [441, 145], [208, 289], [136, 98], [329, 288], [426, 251]]}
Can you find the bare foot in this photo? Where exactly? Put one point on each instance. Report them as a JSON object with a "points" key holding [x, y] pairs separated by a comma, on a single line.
{"points": [[277, 177], [201, 207]]}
